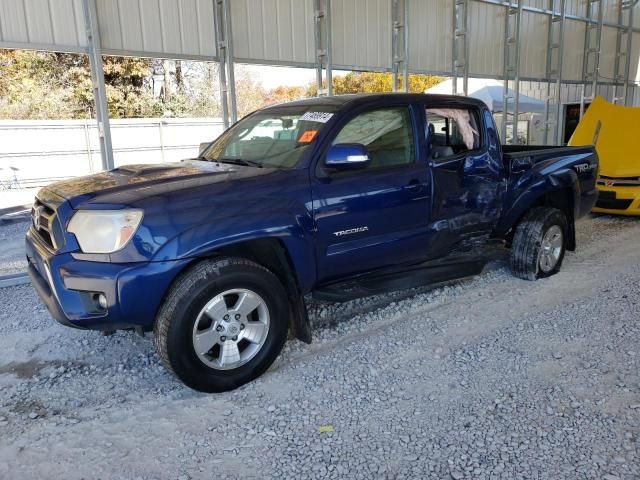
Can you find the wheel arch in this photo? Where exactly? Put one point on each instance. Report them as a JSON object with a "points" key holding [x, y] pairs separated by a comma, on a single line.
{"points": [[273, 254], [562, 197]]}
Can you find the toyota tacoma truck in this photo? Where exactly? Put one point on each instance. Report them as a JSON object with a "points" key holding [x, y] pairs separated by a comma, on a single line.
{"points": [[332, 198]]}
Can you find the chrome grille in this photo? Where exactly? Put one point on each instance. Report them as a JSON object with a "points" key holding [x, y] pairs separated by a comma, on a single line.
{"points": [[618, 181], [43, 220]]}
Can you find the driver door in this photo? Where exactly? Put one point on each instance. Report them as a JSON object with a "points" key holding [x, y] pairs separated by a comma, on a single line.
{"points": [[376, 216]]}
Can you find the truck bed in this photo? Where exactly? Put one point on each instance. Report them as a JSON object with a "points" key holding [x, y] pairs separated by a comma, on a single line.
{"points": [[516, 151]]}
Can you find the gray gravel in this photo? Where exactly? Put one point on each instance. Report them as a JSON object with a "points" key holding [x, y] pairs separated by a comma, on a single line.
{"points": [[493, 377], [12, 255]]}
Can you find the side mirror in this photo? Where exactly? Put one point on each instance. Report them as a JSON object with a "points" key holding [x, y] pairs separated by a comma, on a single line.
{"points": [[203, 147], [347, 156]]}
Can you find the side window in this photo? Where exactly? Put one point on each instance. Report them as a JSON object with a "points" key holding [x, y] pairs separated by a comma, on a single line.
{"points": [[451, 131], [386, 133]]}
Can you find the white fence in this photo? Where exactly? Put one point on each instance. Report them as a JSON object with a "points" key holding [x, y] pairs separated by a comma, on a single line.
{"points": [[43, 150]]}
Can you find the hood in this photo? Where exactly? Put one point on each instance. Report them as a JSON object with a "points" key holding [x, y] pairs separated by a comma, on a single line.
{"points": [[130, 183], [614, 131], [620, 169]]}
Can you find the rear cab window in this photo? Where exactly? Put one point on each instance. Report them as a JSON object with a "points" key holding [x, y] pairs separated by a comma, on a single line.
{"points": [[451, 132]]}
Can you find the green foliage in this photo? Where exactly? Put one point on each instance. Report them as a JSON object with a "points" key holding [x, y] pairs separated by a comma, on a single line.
{"points": [[376, 82], [39, 85]]}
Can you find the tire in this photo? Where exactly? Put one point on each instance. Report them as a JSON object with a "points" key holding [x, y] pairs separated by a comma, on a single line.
{"points": [[193, 314], [529, 259]]}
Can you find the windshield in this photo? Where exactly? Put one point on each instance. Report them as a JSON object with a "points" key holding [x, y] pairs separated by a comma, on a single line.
{"points": [[270, 138]]}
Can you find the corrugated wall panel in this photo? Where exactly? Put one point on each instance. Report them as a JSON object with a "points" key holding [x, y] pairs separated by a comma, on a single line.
{"points": [[430, 35], [486, 39], [533, 44], [52, 25], [536, 3], [361, 33], [611, 10], [634, 73], [181, 28], [608, 55], [576, 7], [573, 47], [280, 31]]}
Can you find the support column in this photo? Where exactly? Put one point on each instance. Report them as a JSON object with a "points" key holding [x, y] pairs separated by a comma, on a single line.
{"points": [[400, 43], [460, 46], [555, 51], [511, 65], [624, 40], [97, 80], [322, 40], [591, 59], [231, 74], [226, 73]]}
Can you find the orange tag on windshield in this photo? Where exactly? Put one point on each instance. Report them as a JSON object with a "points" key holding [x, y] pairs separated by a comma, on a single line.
{"points": [[308, 136]]}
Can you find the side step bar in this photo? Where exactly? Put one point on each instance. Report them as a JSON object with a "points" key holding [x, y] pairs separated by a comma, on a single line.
{"points": [[374, 284]]}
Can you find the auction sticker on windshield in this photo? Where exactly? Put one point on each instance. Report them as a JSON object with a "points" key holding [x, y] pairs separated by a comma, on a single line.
{"points": [[307, 136], [320, 117]]}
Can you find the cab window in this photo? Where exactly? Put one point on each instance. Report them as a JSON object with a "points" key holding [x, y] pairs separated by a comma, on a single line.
{"points": [[387, 134], [451, 131]]}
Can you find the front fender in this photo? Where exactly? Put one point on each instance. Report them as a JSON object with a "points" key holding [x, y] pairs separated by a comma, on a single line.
{"points": [[204, 239]]}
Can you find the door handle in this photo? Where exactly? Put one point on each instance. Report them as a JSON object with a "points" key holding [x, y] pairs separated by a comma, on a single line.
{"points": [[414, 186]]}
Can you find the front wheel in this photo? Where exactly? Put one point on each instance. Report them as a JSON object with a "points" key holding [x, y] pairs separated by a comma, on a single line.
{"points": [[223, 324], [539, 242]]}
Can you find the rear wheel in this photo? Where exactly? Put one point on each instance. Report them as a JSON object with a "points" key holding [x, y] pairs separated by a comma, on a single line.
{"points": [[223, 324], [538, 246]]}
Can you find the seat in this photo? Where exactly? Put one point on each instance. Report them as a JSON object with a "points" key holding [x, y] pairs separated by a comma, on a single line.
{"points": [[437, 151]]}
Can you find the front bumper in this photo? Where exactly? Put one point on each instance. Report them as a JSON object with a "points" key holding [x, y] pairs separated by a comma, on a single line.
{"points": [[618, 200], [134, 291]]}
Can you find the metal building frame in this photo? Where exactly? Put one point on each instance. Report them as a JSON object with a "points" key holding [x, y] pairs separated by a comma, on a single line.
{"points": [[226, 73], [97, 79], [592, 46], [400, 43], [322, 39], [511, 67], [460, 45], [399, 62], [624, 39], [555, 51]]}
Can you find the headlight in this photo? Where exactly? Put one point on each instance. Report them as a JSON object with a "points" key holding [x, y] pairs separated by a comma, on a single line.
{"points": [[104, 231]]}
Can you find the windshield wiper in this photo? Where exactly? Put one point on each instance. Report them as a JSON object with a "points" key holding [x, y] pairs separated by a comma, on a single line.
{"points": [[240, 161]]}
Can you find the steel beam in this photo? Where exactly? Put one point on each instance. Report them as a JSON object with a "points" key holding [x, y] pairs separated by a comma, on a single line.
{"points": [[591, 51], [226, 73], [623, 50], [97, 80], [555, 51], [460, 45], [511, 66], [400, 43], [228, 34], [322, 43]]}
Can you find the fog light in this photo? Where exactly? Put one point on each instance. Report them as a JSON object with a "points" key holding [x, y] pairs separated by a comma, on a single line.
{"points": [[102, 301]]}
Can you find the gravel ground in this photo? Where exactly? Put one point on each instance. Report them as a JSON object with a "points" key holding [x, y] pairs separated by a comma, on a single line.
{"points": [[492, 377], [12, 256]]}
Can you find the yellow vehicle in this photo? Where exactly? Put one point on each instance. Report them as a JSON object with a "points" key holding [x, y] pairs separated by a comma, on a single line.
{"points": [[615, 132]]}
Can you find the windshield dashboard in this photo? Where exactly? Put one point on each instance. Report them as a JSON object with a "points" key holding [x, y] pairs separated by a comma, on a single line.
{"points": [[272, 138]]}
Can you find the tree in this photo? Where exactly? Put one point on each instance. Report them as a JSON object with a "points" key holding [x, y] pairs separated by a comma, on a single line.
{"points": [[39, 85], [376, 82]]}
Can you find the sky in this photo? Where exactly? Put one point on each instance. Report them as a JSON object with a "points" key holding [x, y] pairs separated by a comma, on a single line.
{"points": [[272, 77]]}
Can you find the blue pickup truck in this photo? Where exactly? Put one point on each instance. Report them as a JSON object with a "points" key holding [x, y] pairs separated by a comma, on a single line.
{"points": [[331, 197]]}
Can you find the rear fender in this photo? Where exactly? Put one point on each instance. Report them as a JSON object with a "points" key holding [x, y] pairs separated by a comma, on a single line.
{"points": [[556, 190]]}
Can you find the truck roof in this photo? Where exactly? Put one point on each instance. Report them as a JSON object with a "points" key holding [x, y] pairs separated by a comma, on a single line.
{"points": [[360, 98]]}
